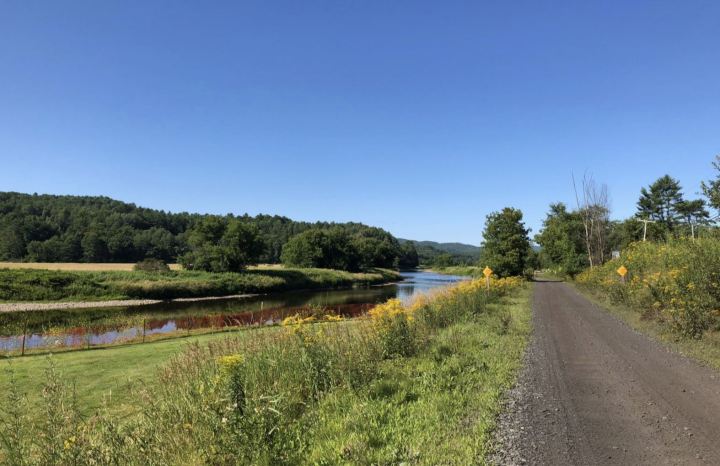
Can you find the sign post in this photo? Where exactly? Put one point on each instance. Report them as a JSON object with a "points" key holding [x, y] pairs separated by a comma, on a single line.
{"points": [[487, 271], [622, 271]]}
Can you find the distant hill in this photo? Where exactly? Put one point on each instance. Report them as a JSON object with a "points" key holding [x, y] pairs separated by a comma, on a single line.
{"points": [[434, 253], [451, 248]]}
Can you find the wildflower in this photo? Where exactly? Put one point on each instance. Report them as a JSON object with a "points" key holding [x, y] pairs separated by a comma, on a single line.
{"points": [[69, 442], [228, 363]]}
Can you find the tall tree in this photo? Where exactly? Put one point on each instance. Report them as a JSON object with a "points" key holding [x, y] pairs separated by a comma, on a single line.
{"points": [[506, 245], [219, 245], [660, 201], [409, 258], [594, 209], [562, 240], [693, 213]]}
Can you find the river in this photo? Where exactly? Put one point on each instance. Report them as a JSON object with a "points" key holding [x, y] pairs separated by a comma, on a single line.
{"points": [[48, 330]]}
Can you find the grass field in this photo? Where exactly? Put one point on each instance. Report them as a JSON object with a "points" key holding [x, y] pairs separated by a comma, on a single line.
{"points": [[105, 374]]}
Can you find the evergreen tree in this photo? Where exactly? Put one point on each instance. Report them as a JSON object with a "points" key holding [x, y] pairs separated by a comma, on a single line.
{"points": [[660, 201]]}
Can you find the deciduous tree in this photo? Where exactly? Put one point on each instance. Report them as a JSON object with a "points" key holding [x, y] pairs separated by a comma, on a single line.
{"points": [[506, 244]]}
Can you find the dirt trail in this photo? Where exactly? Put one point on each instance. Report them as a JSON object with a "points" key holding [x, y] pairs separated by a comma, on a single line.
{"points": [[594, 391]]}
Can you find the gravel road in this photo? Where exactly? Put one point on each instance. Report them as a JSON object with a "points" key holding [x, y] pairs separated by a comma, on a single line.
{"points": [[593, 391]]}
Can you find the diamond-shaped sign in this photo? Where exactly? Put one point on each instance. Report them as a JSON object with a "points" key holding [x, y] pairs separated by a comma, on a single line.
{"points": [[622, 271], [487, 272]]}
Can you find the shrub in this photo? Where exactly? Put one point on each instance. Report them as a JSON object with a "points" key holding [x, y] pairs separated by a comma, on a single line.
{"points": [[675, 283], [151, 265]]}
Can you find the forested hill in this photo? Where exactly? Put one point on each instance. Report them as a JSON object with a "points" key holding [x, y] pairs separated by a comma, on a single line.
{"points": [[444, 254], [50, 228]]}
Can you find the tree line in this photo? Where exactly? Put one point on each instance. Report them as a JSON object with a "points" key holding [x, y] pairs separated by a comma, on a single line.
{"points": [[572, 240], [49, 228]]}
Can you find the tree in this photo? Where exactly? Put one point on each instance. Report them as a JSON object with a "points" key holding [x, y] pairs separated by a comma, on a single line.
{"points": [[329, 249], [595, 213], [304, 250], [218, 245], [694, 213], [99, 229], [627, 231], [711, 188], [376, 248], [443, 260], [94, 247], [506, 245], [12, 245], [660, 201], [562, 240], [241, 245], [409, 258]]}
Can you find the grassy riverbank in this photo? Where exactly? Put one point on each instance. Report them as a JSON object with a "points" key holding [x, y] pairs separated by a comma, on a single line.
{"points": [[464, 270], [19, 285], [104, 374], [419, 384]]}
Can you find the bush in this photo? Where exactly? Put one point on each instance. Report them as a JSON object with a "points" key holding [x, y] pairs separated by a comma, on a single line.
{"points": [[675, 283], [151, 265]]}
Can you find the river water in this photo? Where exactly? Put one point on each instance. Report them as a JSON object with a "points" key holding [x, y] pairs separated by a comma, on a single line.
{"points": [[103, 326]]}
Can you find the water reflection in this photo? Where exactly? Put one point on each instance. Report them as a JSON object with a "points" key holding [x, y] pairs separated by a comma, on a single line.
{"points": [[90, 327]]}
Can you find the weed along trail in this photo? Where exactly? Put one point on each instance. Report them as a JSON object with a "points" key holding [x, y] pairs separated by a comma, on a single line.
{"points": [[593, 391]]}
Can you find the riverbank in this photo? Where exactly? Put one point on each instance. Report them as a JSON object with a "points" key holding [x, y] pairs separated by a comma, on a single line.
{"points": [[58, 306], [20, 288], [336, 392], [463, 270]]}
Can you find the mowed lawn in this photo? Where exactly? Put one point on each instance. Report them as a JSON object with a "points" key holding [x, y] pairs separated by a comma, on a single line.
{"points": [[103, 374]]}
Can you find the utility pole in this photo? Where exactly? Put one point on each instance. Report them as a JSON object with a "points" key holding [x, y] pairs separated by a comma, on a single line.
{"points": [[645, 222]]}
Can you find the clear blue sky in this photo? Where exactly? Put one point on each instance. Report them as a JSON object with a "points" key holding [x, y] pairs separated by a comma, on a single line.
{"points": [[419, 117]]}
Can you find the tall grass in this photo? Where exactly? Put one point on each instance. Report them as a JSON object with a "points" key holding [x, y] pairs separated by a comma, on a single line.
{"points": [[50, 285], [283, 397], [466, 270], [675, 283]]}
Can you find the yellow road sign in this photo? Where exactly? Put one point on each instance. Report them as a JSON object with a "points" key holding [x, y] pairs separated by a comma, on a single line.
{"points": [[487, 272], [622, 271]]}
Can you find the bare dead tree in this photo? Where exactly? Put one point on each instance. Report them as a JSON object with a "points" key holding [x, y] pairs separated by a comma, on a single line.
{"points": [[586, 221], [595, 212]]}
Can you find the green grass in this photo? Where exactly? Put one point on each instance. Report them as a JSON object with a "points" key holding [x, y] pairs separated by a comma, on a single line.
{"points": [[18, 285], [438, 407], [104, 374], [465, 270], [705, 350], [422, 386]]}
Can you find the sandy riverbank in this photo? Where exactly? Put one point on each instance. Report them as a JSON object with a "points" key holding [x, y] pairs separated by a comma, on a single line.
{"points": [[18, 307]]}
